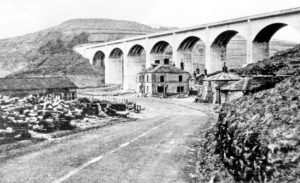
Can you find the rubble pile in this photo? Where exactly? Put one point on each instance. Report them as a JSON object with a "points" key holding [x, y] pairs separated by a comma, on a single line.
{"points": [[18, 116], [257, 137], [285, 62]]}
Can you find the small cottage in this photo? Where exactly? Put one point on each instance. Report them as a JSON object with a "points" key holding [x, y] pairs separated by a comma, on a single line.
{"points": [[55, 86], [163, 80], [211, 92], [248, 85]]}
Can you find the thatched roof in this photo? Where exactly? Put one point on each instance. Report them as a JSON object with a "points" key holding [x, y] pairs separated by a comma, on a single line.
{"points": [[35, 83]]}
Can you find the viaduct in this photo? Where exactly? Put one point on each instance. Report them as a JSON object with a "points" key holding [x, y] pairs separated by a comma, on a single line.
{"points": [[121, 60]]}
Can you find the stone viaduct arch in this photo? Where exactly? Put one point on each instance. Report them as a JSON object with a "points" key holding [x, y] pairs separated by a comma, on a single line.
{"points": [[219, 50], [99, 63], [115, 67], [136, 62], [261, 41], [191, 54], [161, 53]]}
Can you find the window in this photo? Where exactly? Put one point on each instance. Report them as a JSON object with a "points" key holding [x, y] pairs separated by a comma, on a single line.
{"points": [[73, 95], [141, 79], [162, 79], [157, 62], [160, 89], [166, 61], [180, 78], [180, 89], [182, 65], [147, 78]]}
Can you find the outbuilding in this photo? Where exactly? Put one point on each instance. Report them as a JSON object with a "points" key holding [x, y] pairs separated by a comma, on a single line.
{"points": [[212, 85], [56, 86], [248, 85]]}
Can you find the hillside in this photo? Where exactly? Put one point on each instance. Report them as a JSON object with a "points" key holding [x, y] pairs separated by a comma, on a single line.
{"points": [[256, 137], [20, 52], [268, 123]]}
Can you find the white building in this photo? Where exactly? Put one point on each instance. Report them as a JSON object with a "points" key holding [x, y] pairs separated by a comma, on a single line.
{"points": [[163, 80]]}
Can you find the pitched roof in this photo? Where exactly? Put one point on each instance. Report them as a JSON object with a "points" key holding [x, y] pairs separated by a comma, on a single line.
{"points": [[253, 84], [164, 69], [213, 73], [224, 76], [241, 85], [35, 83]]}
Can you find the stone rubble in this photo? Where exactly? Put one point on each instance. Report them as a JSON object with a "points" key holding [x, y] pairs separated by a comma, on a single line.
{"points": [[257, 137], [22, 117]]}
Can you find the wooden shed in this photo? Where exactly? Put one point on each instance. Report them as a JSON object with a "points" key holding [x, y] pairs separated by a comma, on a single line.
{"points": [[56, 86]]}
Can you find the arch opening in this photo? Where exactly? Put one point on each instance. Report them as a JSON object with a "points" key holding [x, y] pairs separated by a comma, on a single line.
{"points": [[136, 63], [161, 53], [136, 50], [99, 64], [191, 55], [273, 38], [229, 47], [115, 67], [116, 53]]}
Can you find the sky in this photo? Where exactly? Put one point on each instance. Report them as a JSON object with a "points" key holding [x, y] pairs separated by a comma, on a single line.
{"points": [[19, 17]]}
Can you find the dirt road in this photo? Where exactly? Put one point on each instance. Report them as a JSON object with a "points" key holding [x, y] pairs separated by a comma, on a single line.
{"points": [[148, 150]]}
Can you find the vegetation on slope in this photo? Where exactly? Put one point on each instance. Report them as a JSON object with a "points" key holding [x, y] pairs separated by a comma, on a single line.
{"points": [[256, 138]]}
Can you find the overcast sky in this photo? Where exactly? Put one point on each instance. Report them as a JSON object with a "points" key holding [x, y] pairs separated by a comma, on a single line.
{"points": [[19, 17]]}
